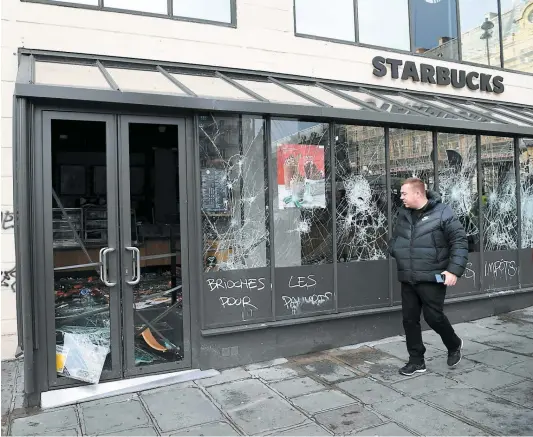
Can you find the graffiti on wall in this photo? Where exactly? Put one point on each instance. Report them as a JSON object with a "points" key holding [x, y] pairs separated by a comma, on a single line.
{"points": [[8, 220], [9, 278]]}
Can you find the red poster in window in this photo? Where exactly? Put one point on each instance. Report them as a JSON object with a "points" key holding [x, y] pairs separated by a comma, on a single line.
{"points": [[301, 176]]}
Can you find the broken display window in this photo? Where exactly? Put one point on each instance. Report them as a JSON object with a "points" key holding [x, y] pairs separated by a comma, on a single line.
{"points": [[234, 195], [302, 200], [361, 193]]}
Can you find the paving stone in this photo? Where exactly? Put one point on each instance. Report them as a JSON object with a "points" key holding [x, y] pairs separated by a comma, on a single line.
{"points": [[513, 343], [439, 365], [497, 358], [385, 370], [387, 429], [265, 364], [485, 409], [509, 325], [254, 407], [359, 356], [427, 383], [486, 378], [9, 372], [398, 349], [368, 391], [524, 369], [324, 400], [524, 315], [521, 394], [143, 431], [102, 418], [110, 400], [208, 429], [59, 432], [38, 424], [347, 420], [423, 418], [174, 408], [275, 373], [224, 377], [471, 330], [330, 371], [297, 387], [311, 429]]}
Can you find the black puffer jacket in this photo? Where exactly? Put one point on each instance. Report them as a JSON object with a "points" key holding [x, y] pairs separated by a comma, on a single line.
{"points": [[435, 242]]}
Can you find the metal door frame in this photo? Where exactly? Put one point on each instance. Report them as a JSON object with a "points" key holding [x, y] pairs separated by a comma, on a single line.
{"points": [[130, 370], [44, 156]]}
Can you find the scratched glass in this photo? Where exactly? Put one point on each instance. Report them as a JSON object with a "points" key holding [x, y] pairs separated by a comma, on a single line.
{"points": [[457, 164], [234, 195], [410, 154], [302, 197], [526, 191], [498, 194], [361, 193]]}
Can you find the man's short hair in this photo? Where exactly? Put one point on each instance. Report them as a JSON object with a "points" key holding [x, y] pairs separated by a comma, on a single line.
{"points": [[416, 183]]}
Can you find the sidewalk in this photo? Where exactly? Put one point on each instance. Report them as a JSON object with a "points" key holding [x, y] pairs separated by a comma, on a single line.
{"points": [[355, 390]]}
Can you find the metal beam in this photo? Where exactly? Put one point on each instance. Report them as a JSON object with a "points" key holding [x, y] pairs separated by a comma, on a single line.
{"points": [[79, 96], [176, 82], [107, 76], [431, 105], [393, 102], [510, 114], [298, 92], [241, 87], [349, 98], [473, 111]]}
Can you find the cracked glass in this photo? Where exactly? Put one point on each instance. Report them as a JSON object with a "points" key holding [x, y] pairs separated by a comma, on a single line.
{"points": [[234, 192], [361, 193], [457, 164], [498, 194], [302, 195], [526, 191]]}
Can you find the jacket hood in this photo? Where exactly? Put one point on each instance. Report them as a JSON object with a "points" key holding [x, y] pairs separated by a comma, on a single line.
{"points": [[434, 198]]}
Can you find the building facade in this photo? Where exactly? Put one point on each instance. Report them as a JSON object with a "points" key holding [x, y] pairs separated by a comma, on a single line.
{"points": [[203, 184]]}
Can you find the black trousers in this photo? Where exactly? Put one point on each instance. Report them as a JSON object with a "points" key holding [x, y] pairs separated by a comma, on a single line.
{"points": [[426, 297]]}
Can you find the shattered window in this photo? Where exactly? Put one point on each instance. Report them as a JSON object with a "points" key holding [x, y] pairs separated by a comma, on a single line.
{"points": [[410, 156], [526, 191], [457, 163], [234, 198], [361, 193], [302, 200], [498, 194]]}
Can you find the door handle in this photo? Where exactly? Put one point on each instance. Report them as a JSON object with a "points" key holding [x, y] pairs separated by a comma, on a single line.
{"points": [[136, 268], [104, 266]]}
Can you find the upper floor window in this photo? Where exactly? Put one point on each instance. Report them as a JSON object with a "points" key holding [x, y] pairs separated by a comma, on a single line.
{"points": [[216, 11], [453, 30], [333, 19]]}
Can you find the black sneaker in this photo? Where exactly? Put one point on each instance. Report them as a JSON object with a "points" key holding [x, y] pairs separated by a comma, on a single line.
{"points": [[455, 356], [412, 368]]}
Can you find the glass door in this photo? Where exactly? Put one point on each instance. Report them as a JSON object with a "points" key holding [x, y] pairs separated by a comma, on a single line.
{"points": [[80, 227], [153, 230]]}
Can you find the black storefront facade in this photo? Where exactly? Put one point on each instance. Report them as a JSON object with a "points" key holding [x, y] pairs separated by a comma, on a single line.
{"points": [[173, 216]]}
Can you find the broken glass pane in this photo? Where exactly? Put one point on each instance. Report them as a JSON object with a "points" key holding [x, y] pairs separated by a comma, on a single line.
{"points": [[498, 194], [302, 205], [234, 197], [458, 181], [361, 193], [526, 191], [410, 156]]}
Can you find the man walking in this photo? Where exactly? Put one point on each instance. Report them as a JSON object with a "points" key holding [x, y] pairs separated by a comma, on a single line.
{"points": [[431, 251]]}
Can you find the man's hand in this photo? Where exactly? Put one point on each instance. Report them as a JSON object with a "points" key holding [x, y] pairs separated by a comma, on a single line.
{"points": [[449, 278]]}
